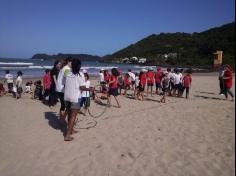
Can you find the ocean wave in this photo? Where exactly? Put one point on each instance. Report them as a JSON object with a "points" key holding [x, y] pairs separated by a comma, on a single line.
{"points": [[16, 63]]}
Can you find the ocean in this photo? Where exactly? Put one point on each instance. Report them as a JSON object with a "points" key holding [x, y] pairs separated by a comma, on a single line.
{"points": [[35, 68]]}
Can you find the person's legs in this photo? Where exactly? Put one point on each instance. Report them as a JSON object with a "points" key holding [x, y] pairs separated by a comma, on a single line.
{"points": [[151, 90], [226, 93], [117, 102], [187, 92], [72, 116], [230, 93], [147, 89]]}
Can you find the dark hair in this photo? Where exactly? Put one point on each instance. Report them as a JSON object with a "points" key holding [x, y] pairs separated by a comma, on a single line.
{"points": [[47, 71], [69, 59], [169, 69], [7, 71], [115, 72], [86, 75], [56, 62], [76, 65], [129, 70], [19, 73]]}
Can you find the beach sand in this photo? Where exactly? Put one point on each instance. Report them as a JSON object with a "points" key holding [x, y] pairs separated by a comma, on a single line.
{"points": [[194, 137]]}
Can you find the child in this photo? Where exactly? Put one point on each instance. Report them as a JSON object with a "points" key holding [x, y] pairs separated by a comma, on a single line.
{"points": [[142, 83], [28, 87], [38, 92], [127, 83], [9, 80], [150, 80], [165, 85], [2, 90], [158, 79], [46, 84], [85, 100], [120, 82], [187, 80], [19, 89], [136, 84], [113, 86]]}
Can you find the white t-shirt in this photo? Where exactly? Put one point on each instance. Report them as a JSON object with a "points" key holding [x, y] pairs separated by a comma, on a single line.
{"points": [[136, 81], [86, 93], [101, 76], [72, 87], [9, 78], [132, 76], [19, 81], [62, 74], [177, 78]]}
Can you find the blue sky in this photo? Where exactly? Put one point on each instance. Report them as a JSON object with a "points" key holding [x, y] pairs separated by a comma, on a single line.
{"points": [[100, 27]]}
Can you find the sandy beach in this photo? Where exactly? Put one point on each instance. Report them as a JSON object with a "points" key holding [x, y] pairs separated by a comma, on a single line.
{"points": [[194, 137]]}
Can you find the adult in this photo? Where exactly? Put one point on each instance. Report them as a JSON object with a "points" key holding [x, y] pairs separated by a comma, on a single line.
{"points": [[228, 81], [54, 74], [9, 80], [65, 69]]}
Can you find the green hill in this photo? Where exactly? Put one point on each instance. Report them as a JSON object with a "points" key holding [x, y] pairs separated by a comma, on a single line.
{"points": [[183, 49]]}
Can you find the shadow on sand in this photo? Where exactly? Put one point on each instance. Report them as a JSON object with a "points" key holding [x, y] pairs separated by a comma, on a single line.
{"points": [[205, 97], [211, 93], [54, 122]]}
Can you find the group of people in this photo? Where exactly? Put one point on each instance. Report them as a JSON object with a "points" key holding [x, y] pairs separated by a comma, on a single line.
{"points": [[166, 82], [14, 88], [66, 83]]}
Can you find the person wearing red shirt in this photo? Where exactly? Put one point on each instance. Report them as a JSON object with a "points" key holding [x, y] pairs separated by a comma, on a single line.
{"points": [[46, 84], [142, 83], [127, 83], [150, 80], [113, 86], [187, 80], [106, 76], [158, 79], [228, 81]]}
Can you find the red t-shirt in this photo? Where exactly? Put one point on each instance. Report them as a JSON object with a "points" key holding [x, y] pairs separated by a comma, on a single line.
{"points": [[187, 80], [113, 85], [46, 81], [107, 77], [143, 79], [158, 77], [150, 77], [228, 82], [126, 80]]}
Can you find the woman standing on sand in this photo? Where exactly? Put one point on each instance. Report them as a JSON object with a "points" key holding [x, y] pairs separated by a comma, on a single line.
{"points": [[228, 81], [54, 74]]}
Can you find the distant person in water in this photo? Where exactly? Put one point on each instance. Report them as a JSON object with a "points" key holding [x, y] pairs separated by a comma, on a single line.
{"points": [[9, 80], [113, 86], [19, 89], [228, 81], [54, 74]]}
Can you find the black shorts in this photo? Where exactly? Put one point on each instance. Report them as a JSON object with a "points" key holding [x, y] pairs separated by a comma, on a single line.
{"points": [[113, 91], [158, 85], [132, 82], [164, 89], [19, 90], [141, 89], [85, 101], [10, 86], [72, 105]]}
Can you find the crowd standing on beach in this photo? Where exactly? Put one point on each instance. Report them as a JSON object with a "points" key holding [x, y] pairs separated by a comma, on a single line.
{"points": [[67, 84]]}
